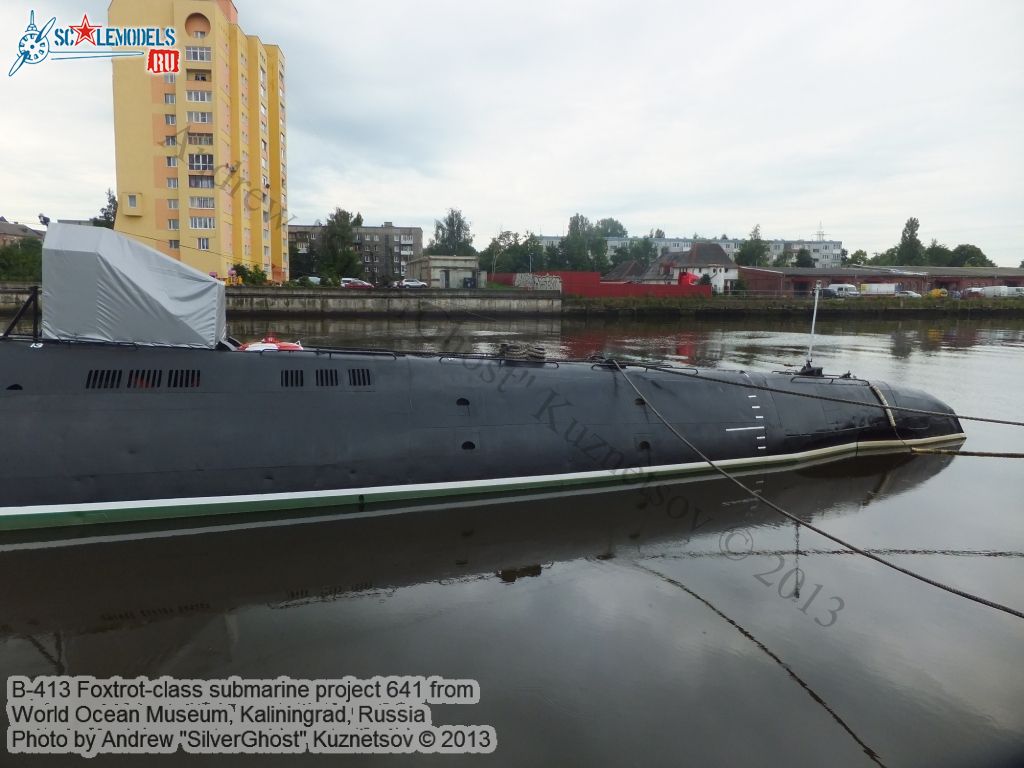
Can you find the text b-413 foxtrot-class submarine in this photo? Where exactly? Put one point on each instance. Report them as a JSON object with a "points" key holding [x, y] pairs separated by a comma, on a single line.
{"points": [[133, 403]]}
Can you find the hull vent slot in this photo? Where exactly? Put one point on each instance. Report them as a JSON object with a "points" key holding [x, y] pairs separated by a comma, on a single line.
{"points": [[292, 378], [182, 378], [144, 379], [99, 379], [359, 377], [327, 377]]}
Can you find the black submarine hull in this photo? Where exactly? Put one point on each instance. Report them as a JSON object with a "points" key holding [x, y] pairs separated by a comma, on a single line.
{"points": [[106, 432]]}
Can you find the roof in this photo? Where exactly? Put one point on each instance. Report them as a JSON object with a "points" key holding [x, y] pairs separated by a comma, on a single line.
{"points": [[704, 255], [626, 270], [699, 255], [13, 229]]}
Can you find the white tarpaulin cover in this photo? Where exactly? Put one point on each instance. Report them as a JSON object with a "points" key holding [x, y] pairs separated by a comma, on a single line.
{"points": [[103, 286]]}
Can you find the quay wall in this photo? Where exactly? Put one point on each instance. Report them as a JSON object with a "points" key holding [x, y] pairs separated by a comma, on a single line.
{"points": [[341, 302]]}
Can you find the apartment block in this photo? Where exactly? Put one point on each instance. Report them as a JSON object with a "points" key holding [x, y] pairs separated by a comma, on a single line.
{"points": [[201, 155]]}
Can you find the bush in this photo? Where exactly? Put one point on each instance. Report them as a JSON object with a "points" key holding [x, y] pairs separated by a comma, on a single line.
{"points": [[22, 261]]}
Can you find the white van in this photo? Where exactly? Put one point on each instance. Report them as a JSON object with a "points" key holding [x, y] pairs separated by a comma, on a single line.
{"points": [[844, 290]]}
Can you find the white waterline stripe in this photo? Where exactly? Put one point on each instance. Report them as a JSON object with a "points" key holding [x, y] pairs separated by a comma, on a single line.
{"points": [[266, 501], [741, 429]]}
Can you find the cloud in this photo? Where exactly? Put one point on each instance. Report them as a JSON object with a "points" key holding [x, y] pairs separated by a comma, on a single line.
{"points": [[701, 116]]}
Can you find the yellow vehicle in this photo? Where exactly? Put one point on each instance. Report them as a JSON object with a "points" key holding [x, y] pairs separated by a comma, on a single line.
{"points": [[938, 293]]}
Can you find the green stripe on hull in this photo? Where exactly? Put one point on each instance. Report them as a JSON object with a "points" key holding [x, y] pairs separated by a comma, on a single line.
{"points": [[53, 516]]}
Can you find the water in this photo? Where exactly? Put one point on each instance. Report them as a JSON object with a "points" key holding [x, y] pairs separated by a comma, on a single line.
{"points": [[651, 626]]}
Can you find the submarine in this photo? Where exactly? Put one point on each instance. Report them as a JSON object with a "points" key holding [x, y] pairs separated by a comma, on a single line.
{"points": [[130, 401]]}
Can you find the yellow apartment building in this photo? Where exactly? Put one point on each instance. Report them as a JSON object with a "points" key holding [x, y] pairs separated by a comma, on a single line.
{"points": [[201, 154]]}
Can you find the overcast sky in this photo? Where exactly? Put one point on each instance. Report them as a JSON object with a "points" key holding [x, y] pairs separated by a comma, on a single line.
{"points": [[689, 116]]}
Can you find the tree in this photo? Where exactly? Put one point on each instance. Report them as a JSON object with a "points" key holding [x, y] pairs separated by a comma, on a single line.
{"points": [[251, 275], [937, 255], [857, 257], [22, 260], [609, 228], [754, 251], [108, 213], [783, 259], [886, 258], [969, 256], [508, 252], [452, 236], [705, 279], [910, 252], [336, 253], [804, 260], [619, 255], [582, 249], [658, 234], [643, 250], [1021, 264]]}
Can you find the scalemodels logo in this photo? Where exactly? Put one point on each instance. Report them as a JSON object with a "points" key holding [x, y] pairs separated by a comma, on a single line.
{"points": [[95, 41]]}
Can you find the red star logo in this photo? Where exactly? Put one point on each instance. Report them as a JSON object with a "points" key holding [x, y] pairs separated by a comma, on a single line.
{"points": [[86, 31]]}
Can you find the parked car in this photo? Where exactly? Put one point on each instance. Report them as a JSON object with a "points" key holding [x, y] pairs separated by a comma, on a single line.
{"points": [[844, 290], [355, 282], [908, 294], [411, 282]]}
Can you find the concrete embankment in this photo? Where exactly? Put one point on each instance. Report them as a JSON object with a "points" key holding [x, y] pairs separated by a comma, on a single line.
{"points": [[340, 302], [393, 303], [247, 301]]}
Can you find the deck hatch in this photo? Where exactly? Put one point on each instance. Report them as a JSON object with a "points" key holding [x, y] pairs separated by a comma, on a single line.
{"points": [[182, 378], [359, 377], [327, 377], [103, 379], [292, 378]]}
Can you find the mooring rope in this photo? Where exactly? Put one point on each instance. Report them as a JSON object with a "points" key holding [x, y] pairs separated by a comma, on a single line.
{"points": [[874, 756], [772, 505]]}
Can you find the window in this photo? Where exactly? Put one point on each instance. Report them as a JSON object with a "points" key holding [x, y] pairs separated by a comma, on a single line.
{"points": [[174, 244], [172, 161], [199, 95], [202, 139], [171, 141], [172, 203], [200, 162], [200, 182], [170, 119], [200, 202], [168, 98], [266, 251], [203, 243], [266, 217], [198, 53], [169, 78], [172, 182], [202, 222], [133, 201], [172, 224], [199, 33], [264, 143], [199, 75], [200, 117]]}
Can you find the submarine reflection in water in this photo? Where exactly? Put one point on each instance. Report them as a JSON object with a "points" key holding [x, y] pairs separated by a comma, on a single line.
{"points": [[184, 580]]}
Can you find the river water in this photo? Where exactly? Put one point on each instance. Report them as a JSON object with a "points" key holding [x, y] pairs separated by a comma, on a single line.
{"points": [[659, 625]]}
